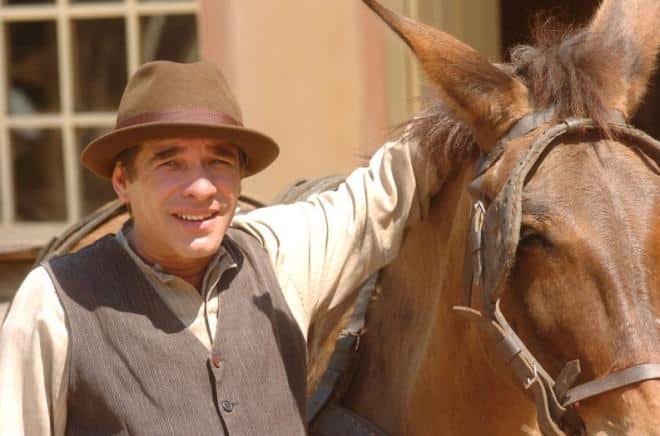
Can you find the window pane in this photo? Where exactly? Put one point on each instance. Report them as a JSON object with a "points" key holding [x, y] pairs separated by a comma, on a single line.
{"points": [[32, 67], [95, 191], [99, 64], [38, 175], [169, 37]]}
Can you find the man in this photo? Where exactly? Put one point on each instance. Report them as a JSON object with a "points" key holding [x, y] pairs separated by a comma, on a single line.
{"points": [[180, 324]]}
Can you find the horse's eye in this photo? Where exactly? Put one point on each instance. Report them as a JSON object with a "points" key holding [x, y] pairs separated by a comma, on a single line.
{"points": [[530, 237]]}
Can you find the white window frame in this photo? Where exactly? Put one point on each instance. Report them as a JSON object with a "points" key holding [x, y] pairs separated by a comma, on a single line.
{"points": [[62, 13]]}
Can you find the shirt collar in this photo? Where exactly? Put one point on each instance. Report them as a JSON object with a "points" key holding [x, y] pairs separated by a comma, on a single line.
{"points": [[223, 260]]}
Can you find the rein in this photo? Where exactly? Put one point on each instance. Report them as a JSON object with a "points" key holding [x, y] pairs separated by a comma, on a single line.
{"points": [[490, 256]]}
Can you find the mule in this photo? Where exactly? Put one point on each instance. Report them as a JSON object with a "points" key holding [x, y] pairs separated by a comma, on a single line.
{"points": [[583, 283]]}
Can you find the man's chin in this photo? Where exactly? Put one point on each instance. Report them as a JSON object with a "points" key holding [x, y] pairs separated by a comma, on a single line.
{"points": [[201, 248]]}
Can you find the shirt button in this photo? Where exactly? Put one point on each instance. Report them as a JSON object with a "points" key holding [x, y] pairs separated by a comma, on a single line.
{"points": [[227, 406], [216, 361]]}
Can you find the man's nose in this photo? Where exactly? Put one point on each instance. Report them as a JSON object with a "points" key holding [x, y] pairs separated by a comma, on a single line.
{"points": [[201, 187]]}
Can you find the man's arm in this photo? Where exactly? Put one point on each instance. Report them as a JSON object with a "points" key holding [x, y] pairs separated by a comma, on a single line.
{"points": [[323, 248], [33, 361]]}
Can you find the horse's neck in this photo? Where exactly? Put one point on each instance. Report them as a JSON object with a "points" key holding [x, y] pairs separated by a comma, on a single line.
{"points": [[422, 369]]}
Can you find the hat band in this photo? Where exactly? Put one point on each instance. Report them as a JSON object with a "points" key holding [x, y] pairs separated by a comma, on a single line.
{"points": [[180, 116]]}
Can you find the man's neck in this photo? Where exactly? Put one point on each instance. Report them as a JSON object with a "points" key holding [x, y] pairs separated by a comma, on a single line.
{"points": [[191, 271]]}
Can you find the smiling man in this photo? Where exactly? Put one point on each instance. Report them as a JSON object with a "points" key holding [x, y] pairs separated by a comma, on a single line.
{"points": [[186, 188], [189, 320]]}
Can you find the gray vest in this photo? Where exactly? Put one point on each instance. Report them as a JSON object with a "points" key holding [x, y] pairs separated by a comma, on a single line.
{"points": [[135, 369]]}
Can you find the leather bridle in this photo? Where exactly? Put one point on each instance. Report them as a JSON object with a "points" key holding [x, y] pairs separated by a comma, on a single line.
{"points": [[490, 257]]}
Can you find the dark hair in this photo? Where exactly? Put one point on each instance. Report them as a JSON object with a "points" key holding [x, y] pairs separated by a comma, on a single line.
{"points": [[127, 159]]}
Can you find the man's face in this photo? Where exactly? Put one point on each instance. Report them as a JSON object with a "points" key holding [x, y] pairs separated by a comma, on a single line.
{"points": [[182, 197]]}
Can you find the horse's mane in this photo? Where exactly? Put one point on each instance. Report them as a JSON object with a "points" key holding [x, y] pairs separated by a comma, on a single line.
{"points": [[562, 68], [438, 129]]}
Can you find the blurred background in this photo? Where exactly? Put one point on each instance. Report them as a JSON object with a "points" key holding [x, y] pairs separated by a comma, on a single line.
{"points": [[324, 78]]}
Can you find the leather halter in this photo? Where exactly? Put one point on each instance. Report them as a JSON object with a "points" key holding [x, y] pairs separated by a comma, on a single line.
{"points": [[490, 256]]}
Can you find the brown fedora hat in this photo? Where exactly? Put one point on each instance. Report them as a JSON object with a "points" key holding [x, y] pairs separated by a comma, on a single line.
{"points": [[168, 99]]}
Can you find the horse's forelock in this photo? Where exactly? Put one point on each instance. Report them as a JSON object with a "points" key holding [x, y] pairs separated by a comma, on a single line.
{"points": [[581, 71]]}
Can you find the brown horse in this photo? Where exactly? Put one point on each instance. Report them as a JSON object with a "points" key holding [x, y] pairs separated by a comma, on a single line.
{"points": [[584, 284]]}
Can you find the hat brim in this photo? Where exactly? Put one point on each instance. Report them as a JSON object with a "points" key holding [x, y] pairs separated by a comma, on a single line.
{"points": [[100, 154]]}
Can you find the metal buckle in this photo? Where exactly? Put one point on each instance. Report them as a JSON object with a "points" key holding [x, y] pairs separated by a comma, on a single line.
{"points": [[477, 225], [530, 380]]}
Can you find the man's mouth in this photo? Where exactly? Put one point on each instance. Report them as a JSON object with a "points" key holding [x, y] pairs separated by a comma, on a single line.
{"points": [[196, 218]]}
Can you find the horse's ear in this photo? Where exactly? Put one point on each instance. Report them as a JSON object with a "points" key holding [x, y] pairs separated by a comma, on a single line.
{"points": [[626, 34], [486, 98]]}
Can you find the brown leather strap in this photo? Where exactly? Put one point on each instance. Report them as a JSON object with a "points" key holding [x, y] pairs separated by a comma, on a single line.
{"points": [[616, 380], [520, 128], [472, 269], [511, 351], [340, 367], [525, 125], [335, 420]]}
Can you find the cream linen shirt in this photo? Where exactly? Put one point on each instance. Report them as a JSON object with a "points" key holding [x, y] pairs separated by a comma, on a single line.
{"points": [[321, 249]]}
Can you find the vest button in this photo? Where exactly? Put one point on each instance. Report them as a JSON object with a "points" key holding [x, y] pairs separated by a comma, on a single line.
{"points": [[216, 361], [227, 406]]}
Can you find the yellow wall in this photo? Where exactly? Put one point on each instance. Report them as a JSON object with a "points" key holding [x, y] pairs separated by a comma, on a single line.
{"points": [[326, 79], [297, 69]]}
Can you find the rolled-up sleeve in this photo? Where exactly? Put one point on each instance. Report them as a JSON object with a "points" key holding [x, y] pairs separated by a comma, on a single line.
{"points": [[324, 247], [33, 352]]}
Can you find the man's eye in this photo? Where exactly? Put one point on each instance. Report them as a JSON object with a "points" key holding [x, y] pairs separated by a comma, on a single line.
{"points": [[169, 164], [221, 162]]}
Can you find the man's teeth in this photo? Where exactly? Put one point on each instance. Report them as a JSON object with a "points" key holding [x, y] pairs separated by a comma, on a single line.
{"points": [[195, 217]]}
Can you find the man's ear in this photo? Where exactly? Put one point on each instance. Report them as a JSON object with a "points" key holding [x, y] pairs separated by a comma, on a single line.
{"points": [[120, 182]]}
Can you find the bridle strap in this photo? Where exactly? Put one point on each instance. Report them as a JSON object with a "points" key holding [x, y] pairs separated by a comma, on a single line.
{"points": [[520, 128], [472, 276], [527, 124], [512, 353], [616, 380]]}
